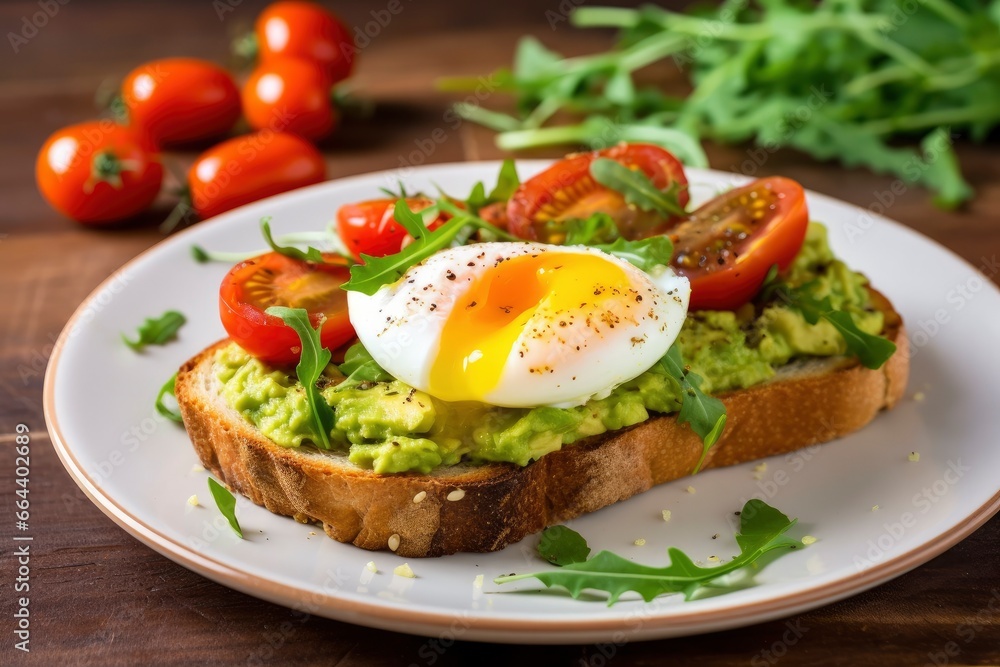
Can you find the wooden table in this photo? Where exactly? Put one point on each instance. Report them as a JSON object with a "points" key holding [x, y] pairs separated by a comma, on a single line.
{"points": [[100, 597]]}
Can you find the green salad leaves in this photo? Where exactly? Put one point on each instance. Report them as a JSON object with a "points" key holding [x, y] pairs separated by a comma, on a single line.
{"points": [[636, 187], [762, 529], [705, 414], [312, 361], [156, 330], [883, 84], [226, 503], [168, 390]]}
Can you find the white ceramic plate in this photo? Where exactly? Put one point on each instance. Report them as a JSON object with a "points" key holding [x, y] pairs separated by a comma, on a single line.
{"points": [[137, 467]]}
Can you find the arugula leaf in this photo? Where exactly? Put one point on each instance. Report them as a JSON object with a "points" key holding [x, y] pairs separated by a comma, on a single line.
{"points": [[156, 330], [706, 414], [312, 361], [310, 254], [359, 366], [226, 503], [636, 187], [168, 390], [646, 254], [871, 350], [834, 80], [762, 529], [560, 545], [374, 272], [507, 183], [597, 229]]}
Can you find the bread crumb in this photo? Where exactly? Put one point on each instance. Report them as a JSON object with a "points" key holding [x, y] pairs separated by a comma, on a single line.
{"points": [[404, 570], [759, 470], [913, 457], [713, 559], [193, 500], [478, 581], [874, 508], [640, 542], [312, 532], [197, 468], [420, 497], [690, 489], [666, 515], [808, 539], [393, 541], [457, 494], [919, 397], [370, 566]]}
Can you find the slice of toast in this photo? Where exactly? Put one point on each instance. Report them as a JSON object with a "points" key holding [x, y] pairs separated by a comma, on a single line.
{"points": [[486, 507]]}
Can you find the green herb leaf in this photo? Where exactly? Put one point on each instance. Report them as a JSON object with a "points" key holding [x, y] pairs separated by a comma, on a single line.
{"points": [[646, 254], [599, 228], [168, 390], [359, 366], [312, 361], [562, 546], [507, 183], [871, 350], [157, 330], [374, 272], [762, 530], [310, 254], [226, 503], [706, 414], [636, 187]]}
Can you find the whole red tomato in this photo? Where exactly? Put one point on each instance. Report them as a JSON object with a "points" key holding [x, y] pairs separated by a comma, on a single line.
{"points": [[305, 30], [290, 95], [98, 172], [180, 100], [251, 167]]}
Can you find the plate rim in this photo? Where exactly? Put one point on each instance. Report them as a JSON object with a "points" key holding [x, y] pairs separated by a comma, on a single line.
{"points": [[483, 627]]}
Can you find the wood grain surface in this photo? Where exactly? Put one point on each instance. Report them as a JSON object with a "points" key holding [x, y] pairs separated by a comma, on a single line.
{"points": [[99, 597]]}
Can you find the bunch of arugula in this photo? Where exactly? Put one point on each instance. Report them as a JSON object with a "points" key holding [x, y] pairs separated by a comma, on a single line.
{"points": [[837, 80], [762, 529]]}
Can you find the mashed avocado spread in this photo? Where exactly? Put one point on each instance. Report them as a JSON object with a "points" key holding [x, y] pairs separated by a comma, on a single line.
{"points": [[391, 427]]}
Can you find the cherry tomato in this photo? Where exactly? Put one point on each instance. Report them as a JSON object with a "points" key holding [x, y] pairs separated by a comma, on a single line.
{"points": [[98, 172], [566, 190], [290, 95], [727, 246], [180, 100], [306, 30], [254, 285], [251, 167], [369, 227]]}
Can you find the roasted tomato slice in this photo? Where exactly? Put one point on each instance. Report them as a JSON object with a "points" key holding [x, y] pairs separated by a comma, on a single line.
{"points": [[566, 190], [728, 245], [253, 286], [369, 227]]}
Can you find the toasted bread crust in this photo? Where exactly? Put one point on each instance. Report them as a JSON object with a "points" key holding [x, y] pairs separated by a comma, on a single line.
{"points": [[503, 503]]}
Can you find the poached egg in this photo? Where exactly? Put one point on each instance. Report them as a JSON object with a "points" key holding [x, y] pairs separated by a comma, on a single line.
{"points": [[521, 324]]}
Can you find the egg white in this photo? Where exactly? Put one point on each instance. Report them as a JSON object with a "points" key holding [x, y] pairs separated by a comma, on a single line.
{"points": [[401, 326]]}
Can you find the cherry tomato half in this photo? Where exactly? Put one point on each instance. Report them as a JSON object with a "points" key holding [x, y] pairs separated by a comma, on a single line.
{"points": [[251, 167], [727, 246], [180, 100], [98, 172], [290, 95], [306, 30], [566, 190], [369, 227], [254, 285]]}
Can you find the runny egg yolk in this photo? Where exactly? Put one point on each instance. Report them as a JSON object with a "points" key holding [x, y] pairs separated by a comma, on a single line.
{"points": [[487, 320]]}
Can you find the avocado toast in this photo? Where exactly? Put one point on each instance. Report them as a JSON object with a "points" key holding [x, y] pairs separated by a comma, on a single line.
{"points": [[404, 470]]}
